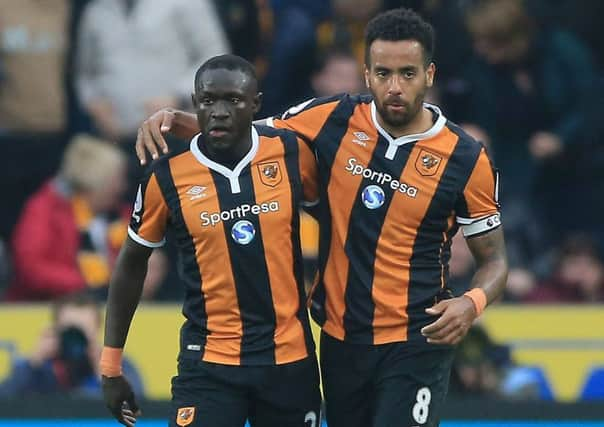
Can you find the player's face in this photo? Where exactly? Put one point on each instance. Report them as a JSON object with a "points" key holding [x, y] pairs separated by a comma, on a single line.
{"points": [[225, 102], [398, 79]]}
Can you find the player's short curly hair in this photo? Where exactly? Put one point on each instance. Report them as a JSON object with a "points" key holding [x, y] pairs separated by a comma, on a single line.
{"points": [[400, 24], [227, 62]]}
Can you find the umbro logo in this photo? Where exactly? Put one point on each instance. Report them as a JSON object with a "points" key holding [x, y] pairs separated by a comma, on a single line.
{"points": [[197, 192], [360, 138]]}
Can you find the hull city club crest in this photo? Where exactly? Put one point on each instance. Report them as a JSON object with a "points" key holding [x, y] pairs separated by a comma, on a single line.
{"points": [[185, 416], [427, 163], [270, 173]]}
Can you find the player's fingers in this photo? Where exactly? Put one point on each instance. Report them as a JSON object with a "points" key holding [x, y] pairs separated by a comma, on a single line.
{"points": [[435, 326], [157, 136], [131, 420], [140, 151], [132, 406], [443, 332], [148, 142], [438, 308], [166, 125]]}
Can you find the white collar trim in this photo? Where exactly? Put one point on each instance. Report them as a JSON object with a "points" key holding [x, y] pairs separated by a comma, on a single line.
{"points": [[232, 175], [394, 143]]}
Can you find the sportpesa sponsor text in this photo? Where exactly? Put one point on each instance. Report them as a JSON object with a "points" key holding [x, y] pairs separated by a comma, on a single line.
{"points": [[382, 178], [213, 218]]}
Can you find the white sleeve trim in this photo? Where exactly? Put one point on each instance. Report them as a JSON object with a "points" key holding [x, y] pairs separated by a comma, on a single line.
{"points": [[308, 204], [474, 226], [138, 239], [270, 122]]}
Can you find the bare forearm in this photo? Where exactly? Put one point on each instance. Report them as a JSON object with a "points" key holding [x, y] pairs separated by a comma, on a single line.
{"points": [[491, 277], [124, 293], [491, 259], [185, 125]]}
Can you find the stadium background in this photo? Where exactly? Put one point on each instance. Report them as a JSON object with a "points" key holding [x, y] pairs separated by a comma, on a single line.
{"points": [[546, 338]]}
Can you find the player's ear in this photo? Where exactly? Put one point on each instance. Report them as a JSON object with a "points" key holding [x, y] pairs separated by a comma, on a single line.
{"points": [[257, 102], [366, 74], [430, 71], [194, 100]]}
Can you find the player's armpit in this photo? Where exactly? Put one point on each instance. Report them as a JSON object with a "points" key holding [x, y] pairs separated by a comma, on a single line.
{"points": [[490, 255]]}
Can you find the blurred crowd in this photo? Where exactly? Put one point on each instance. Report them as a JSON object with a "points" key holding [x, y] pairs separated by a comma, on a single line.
{"points": [[77, 77]]}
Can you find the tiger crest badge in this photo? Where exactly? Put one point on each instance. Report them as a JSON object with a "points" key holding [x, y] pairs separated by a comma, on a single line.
{"points": [[270, 173], [427, 163], [185, 416]]}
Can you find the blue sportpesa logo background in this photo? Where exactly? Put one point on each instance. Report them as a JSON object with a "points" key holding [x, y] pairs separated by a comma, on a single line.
{"points": [[373, 196], [243, 232]]}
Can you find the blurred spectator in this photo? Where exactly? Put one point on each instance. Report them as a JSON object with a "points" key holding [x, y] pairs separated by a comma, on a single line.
{"points": [[293, 42], [240, 21], [137, 56], [479, 365], [529, 247], [71, 230], [484, 368], [581, 18], [574, 202], [34, 39], [67, 355], [452, 51], [337, 72], [346, 28], [578, 276], [527, 86]]}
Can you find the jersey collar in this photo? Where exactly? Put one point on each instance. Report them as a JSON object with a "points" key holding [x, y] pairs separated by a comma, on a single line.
{"points": [[231, 175], [395, 143]]}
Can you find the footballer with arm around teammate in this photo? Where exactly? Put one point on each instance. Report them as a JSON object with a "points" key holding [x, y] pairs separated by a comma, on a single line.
{"points": [[397, 182], [232, 203]]}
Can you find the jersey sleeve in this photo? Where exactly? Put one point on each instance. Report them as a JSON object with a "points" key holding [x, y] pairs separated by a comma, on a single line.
{"points": [[309, 174], [477, 209], [308, 118], [149, 216]]}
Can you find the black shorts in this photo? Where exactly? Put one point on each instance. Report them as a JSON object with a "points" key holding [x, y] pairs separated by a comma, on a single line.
{"points": [[398, 384], [213, 395]]}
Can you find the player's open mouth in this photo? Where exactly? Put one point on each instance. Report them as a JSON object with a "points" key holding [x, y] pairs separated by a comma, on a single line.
{"points": [[218, 131]]}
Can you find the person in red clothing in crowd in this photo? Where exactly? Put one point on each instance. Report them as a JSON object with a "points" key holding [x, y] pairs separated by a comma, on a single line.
{"points": [[578, 276], [70, 231]]}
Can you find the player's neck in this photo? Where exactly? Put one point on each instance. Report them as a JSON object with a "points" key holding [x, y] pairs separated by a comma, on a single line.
{"points": [[421, 123], [229, 158]]}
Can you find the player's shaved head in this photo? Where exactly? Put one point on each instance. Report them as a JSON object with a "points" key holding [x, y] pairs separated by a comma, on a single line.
{"points": [[227, 62]]}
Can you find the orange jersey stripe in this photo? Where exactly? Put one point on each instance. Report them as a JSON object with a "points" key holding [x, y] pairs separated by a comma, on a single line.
{"points": [[218, 285], [289, 334], [336, 272], [393, 260]]}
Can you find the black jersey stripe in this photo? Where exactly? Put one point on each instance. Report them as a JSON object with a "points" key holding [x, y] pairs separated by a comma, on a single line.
{"points": [[364, 229], [292, 165], [429, 248], [326, 145], [250, 273]]}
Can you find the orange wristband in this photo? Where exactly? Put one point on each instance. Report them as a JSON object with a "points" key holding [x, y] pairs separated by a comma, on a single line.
{"points": [[479, 298], [111, 361]]}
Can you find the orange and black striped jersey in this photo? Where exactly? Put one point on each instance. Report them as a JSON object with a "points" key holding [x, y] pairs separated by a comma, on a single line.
{"points": [[389, 208], [237, 232]]}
